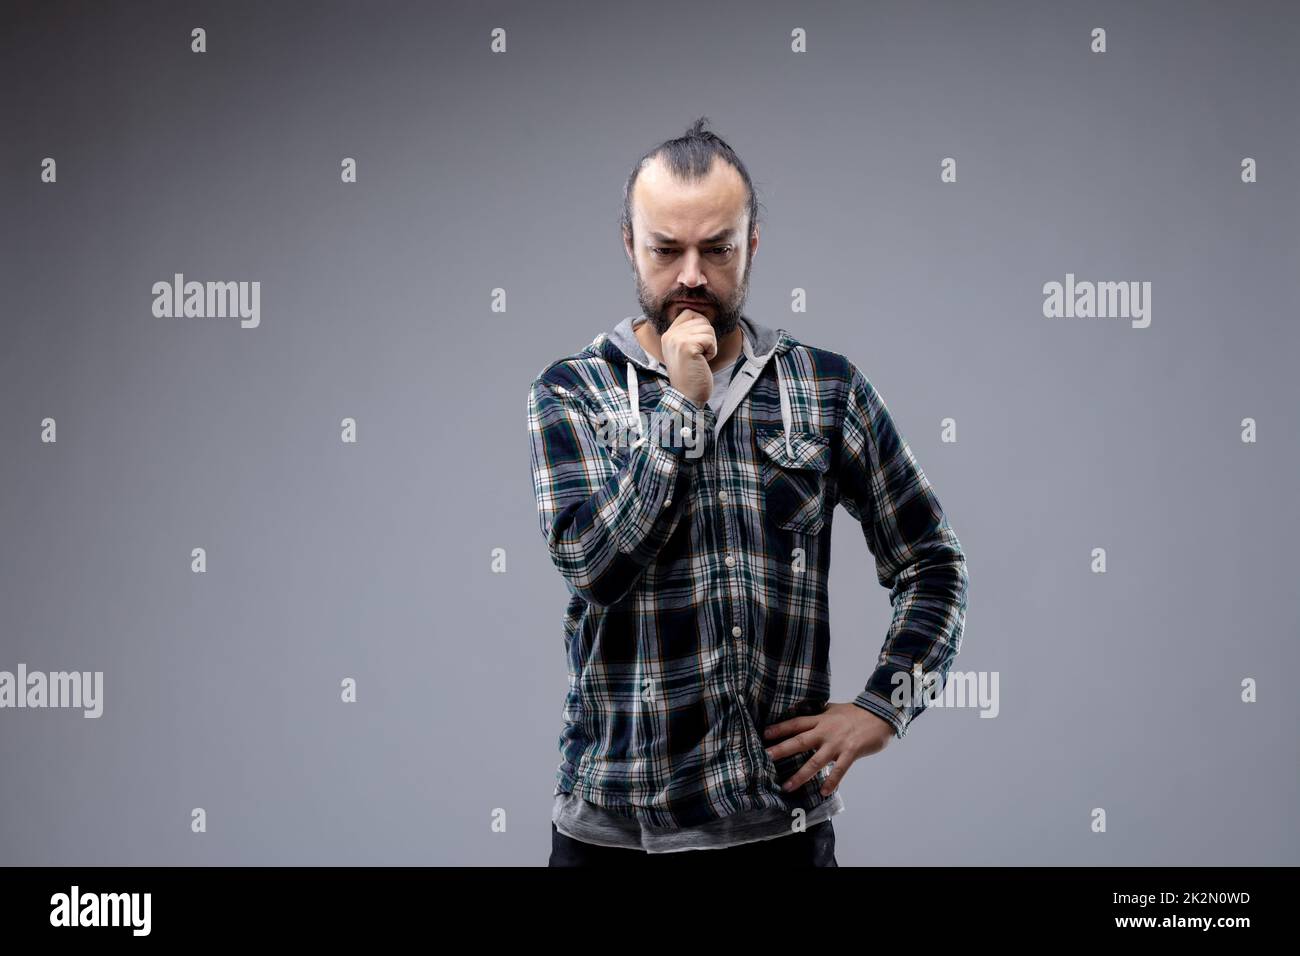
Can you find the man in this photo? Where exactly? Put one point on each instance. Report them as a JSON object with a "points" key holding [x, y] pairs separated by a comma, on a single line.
{"points": [[686, 465]]}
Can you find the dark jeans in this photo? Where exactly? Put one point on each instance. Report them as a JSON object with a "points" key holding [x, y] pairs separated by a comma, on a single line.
{"points": [[813, 847]]}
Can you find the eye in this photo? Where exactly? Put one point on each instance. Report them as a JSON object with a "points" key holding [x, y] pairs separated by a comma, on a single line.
{"points": [[716, 250]]}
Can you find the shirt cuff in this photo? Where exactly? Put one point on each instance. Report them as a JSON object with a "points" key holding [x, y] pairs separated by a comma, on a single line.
{"points": [[681, 427], [883, 707]]}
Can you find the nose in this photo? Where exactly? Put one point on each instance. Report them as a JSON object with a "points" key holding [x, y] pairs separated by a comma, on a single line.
{"points": [[691, 275]]}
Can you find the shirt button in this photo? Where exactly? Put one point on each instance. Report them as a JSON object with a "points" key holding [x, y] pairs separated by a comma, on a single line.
{"points": [[722, 496], [731, 561], [686, 432], [667, 502], [735, 631]]}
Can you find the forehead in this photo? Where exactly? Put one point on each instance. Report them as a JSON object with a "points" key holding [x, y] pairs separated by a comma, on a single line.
{"points": [[661, 201]]}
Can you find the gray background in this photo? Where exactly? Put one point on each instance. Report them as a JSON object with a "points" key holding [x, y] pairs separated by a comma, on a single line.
{"points": [[479, 171]]}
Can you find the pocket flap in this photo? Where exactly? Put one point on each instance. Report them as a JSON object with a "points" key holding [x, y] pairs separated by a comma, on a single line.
{"points": [[807, 450]]}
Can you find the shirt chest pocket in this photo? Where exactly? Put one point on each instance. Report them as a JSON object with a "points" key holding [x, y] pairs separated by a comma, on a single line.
{"points": [[794, 478]]}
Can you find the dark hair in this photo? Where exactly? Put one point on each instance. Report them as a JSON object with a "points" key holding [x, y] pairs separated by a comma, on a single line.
{"points": [[689, 157]]}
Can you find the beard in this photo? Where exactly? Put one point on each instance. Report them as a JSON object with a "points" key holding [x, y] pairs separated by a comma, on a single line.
{"points": [[661, 311]]}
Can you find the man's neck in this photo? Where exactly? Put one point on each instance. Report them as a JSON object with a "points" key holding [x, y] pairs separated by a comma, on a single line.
{"points": [[729, 346]]}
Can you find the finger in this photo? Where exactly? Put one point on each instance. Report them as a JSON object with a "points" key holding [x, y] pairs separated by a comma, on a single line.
{"points": [[702, 346], [693, 336], [809, 768], [832, 781], [694, 328], [797, 744], [792, 726], [697, 336], [688, 317]]}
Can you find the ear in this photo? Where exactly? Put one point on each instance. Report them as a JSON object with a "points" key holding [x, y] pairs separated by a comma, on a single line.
{"points": [[627, 247]]}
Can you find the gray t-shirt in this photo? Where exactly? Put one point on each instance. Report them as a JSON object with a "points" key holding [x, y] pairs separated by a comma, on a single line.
{"points": [[721, 383]]}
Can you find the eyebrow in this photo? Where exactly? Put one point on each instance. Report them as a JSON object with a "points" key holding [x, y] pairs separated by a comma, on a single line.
{"points": [[718, 237]]}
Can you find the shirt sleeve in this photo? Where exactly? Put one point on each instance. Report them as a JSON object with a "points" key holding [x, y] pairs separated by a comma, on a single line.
{"points": [[917, 554], [604, 517]]}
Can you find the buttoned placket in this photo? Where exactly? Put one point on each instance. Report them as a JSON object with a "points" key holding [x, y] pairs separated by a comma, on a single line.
{"points": [[737, 651], [736, 662]]}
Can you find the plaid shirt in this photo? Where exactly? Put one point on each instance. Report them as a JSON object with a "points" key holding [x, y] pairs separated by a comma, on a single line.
{"points": [[696, 566]]}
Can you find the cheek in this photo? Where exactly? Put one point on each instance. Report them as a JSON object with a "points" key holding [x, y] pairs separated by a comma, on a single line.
{"points": [[650, 271]]}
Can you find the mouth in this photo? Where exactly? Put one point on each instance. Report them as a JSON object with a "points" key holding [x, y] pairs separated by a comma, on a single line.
{"points": [[690, 302]]}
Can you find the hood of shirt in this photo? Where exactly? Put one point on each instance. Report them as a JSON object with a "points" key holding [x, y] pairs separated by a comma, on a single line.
{"points": [[761, 345]]}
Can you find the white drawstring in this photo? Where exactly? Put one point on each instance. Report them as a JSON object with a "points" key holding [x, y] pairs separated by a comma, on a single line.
{"points": [[634, 399]]}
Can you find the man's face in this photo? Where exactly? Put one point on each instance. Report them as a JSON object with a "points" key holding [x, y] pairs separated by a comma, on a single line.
{"points": [[688, 242]]}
